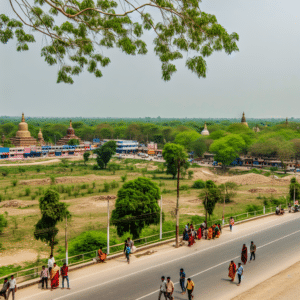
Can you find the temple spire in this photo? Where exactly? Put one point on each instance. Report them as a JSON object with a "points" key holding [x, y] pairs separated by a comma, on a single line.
{"points": [[23, 118], [71, 123]]}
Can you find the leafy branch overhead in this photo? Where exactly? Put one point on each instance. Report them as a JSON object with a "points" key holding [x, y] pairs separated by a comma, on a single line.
{"points": [[79, 31]]}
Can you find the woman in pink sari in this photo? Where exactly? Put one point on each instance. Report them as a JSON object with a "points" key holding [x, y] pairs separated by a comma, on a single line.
{"points": [[54, 277]]}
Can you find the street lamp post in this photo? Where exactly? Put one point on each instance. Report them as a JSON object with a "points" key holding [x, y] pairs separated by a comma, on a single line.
{"points": [[177, 206]]}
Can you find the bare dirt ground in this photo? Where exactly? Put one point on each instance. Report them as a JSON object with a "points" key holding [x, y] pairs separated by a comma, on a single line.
{"points": [[282, 286], [20, 256]]}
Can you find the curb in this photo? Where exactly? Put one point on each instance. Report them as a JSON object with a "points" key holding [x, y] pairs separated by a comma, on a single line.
{"points": [[37, 280], [86, 264]]}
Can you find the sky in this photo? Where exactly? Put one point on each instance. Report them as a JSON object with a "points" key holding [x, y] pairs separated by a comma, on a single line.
{"points": [[262, 79]]}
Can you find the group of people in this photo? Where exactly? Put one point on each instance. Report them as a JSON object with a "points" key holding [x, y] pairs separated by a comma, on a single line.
{"points": [[280, 211], [128, 248], [9, 287], [167, 286], [191, 235], [233, 270]]}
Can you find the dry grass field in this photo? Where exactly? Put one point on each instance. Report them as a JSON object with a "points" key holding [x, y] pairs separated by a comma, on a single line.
{"points": [[82, 188]]}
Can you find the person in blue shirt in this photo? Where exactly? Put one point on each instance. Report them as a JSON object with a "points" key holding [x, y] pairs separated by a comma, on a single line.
{"points": [[240, 272], [182, 280]]}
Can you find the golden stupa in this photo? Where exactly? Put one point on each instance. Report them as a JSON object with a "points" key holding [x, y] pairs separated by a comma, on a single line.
{"points": [[70, 135], [41, 141], [23, 137], [243, 120]]}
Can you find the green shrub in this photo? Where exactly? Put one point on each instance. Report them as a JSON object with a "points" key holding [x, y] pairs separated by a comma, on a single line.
{"points": [[114, 184], [252, 208], [124, 178], [106, 187], [27, 191], [90, 191], [165, 191], [33, 197], [256, 171], [38, 169], [20, 195], [1, 197], [184, 187], [52, 180], [76, 194], [3, 223], [89, 241], [198, 184], [190, 174], [274, 169], [267, 174], [14, 182], [94, 184]]}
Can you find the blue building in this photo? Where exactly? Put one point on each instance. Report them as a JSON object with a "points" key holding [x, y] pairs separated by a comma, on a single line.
{"points": [[125, 146]]}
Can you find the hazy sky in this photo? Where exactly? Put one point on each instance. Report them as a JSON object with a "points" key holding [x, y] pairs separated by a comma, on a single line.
{"points": [[263, 79]]}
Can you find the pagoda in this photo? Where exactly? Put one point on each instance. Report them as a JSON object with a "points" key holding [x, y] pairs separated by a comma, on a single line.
{"points": [[41, 141], [243, 120], [205, 130], [70, 136], [23, 137]]}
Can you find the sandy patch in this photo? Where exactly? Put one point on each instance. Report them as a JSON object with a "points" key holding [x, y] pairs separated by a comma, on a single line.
{"points": [[19, 257]]}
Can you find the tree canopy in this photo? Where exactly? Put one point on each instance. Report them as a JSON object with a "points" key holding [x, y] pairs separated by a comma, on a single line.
{"points": [[136, 206], [79, 32], [105, 153], [172, 153]]}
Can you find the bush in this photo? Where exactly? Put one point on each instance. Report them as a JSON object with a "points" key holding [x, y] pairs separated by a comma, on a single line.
{"points": [[124, 178], [33, 197], [38, 169], [252, 208], [164, 191], [52, 180], [27, 191], [190, 174], [106, 187], [256, 171], [1, 197], [114, 185], [274, 169], [90, 191], [267, 174], [198, 184], [76, 194], [184, 187], [14, 182], [89, 241], [94, 184], [3, 223]]}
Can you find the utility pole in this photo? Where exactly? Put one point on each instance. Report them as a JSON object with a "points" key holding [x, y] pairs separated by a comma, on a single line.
{"points": [[177, 206], [160, 227], [223, 219], [107, 227], [66, 241], [295, 190]]}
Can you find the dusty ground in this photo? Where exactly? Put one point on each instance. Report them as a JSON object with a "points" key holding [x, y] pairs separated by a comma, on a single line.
{"points": [[283, 286], [21, 256]]}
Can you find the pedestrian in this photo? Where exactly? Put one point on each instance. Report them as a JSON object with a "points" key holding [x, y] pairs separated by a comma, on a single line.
{"points": [[232, 270], [187, 226], [190, 288], [54, 276], [162, 288], [252, 251], [12, 287], [51, 262], [127, 253], [240, 272], [182, 279], [130, 243], [244, 256], [170, 289], [231, 223], [290, 207], [4, 288], [44, 277], [125, 247], [64, 274]]}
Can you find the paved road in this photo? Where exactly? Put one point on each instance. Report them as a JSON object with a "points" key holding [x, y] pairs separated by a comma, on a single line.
{"points": [[277, 240]]}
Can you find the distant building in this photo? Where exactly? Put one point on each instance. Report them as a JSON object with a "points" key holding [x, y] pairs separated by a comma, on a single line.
{"points": [[41, 141], [152, 147], [243, 120], [256, 129], [205, 130], [124, 146], [70, 136], [23, 137]]}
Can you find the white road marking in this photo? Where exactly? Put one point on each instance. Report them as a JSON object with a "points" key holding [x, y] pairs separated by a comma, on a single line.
{"points": [[161, 264], [223, 263]]}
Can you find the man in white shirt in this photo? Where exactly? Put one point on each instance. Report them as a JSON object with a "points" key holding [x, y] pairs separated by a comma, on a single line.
{"points": [[163, 288], [12, 287], [51, 261]]}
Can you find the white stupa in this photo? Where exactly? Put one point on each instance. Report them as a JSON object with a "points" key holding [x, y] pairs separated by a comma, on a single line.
{"points": [[205, 130]]}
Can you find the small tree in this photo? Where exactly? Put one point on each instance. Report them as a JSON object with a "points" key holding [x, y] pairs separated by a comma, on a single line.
{"points": [[227, 192], [294, 189], [86, 156], [52, 212], [73, 142], [3, 223], [105, 153], [136, 206]]}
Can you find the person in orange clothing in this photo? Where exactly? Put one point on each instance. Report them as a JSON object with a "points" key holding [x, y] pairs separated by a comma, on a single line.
{"points": [[210, 233], [102, 256], [232, 270]]}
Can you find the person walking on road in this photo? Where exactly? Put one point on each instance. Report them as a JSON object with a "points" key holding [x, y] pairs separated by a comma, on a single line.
{"points": [[252, 251], [51, 262], [163, 288], [190, 288], [182, 279], [231, 223], [127, 253], [232, 270], [44, 277], [64, 274], [244, 256], [12, 287], [4, 288], [170, 289], [240, 272]]}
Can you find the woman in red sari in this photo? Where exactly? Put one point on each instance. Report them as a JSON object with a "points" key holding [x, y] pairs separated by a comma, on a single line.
{"points": [[232, 270], [54, 277], [199, 233], [244, 257]]}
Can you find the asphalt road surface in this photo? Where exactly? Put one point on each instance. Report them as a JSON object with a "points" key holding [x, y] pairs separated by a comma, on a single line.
{"points": [[277, 239]]}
